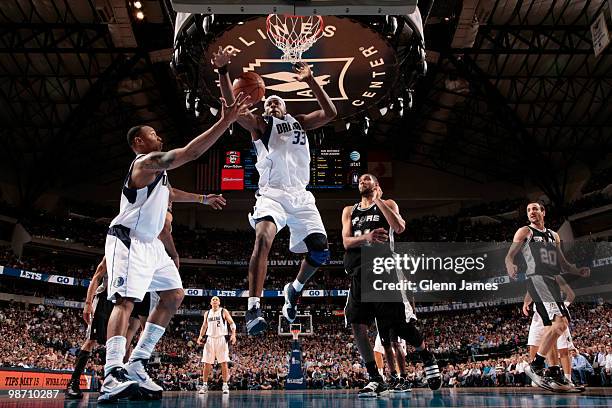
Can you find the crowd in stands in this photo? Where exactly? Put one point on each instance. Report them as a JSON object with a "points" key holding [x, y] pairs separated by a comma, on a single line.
{"points": [[482, 347]]}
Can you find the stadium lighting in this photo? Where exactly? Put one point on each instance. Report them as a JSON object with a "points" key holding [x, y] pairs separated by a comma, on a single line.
{"points": [[137, 4], [140, 15]]}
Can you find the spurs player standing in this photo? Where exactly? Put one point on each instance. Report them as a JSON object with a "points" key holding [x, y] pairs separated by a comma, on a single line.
{"points": [[373, 220], [214, 329], [136, 259], [283, 163], [541, 248]]}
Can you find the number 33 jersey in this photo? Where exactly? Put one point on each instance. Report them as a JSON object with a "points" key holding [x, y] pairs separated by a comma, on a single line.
{"points": [[283, 154]]}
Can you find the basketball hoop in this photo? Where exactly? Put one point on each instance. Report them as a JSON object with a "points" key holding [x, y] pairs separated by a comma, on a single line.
{"points": [[296, 329], [293, 34]]}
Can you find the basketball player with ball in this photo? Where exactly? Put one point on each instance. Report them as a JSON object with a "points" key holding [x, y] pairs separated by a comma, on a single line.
{"points": [[283, 163]]}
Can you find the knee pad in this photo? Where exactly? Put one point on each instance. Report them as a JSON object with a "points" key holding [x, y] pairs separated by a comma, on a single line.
{"points": [[318, 249]]}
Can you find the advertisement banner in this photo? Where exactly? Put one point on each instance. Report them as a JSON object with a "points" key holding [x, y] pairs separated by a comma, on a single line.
{"points": [[23, 379]]}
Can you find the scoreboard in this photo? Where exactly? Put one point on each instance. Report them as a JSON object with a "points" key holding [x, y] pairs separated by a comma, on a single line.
{"points": [[330, 168]]}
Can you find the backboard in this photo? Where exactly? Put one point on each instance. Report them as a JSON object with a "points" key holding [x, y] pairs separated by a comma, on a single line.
{"points": [[297, 7]]}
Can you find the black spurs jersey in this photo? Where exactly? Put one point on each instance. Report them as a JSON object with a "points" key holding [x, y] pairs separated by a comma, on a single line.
{"points": [[364, 220], [541, 253]]}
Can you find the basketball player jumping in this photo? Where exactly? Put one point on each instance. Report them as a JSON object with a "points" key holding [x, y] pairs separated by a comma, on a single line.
{"points": [[283, 163], [136, 259], [374, 220], [214, 332], [545, 261]]}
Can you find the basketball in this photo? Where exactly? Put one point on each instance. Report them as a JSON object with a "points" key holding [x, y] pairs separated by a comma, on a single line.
{"points": [[250, 84]]}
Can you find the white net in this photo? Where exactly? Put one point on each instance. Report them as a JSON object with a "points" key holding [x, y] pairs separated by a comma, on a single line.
{"points": [[293, 34]]}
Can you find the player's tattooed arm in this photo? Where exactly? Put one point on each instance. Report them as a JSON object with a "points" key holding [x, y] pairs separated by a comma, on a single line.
{"points": [[327, 113], [159, 161]]}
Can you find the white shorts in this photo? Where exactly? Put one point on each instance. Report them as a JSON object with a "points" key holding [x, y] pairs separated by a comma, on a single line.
{"points": [[378, 347], [136, 267], [294, 209], [536, 331], [215, 347]]}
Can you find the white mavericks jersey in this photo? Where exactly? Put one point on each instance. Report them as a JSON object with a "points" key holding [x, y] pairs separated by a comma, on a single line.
{"points": [[217, 326], [143, 211], [283, 154]]}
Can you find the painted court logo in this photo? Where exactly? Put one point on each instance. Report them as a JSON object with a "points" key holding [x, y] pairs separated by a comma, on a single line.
{"points": [[352, 63]]}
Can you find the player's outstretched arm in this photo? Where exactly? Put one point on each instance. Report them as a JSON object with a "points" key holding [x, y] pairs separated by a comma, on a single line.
{"points": [[327, 113], [220, 60], [216, 201], [158, 161]]}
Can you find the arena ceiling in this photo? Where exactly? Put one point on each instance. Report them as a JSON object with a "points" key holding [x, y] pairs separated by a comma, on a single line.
{"points": [[513, 89]]}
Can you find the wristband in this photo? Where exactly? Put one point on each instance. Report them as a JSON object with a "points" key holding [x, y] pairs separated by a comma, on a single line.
{"points": [[202, 199], [222, 70], [233, 326]]}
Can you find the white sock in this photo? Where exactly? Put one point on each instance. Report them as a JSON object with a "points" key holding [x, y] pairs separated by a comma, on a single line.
{"points": [[253, 302], [297, 285], [224, 383], [115, 350], [381, 371], [205, 383], [569, 377], [148, 339]]}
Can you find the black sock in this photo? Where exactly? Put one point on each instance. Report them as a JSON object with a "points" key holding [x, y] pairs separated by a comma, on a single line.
{"points": [[554, 370], [79, 367], [372, 370], [539, 360]]}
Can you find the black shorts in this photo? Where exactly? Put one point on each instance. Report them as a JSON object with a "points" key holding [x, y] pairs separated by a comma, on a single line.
{"points": [[102, 308], [546, 295], [358, 312], [142, 308]]}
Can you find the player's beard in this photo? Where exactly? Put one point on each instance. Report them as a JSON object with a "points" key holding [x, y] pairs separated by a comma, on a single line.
{"points": [[367, 192]]}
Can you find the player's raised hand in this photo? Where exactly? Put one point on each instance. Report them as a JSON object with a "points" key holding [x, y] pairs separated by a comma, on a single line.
{"points": [[216, 201], [303, 71], [377, 193], [240, 107], [222, 57]]}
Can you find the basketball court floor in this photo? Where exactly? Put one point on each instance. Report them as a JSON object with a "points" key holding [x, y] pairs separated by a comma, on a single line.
{"points": [[464, 397]]}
